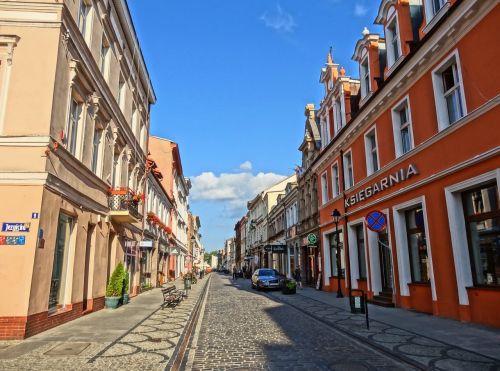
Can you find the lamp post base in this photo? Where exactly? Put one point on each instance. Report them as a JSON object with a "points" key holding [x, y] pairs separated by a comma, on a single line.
{"points": [[339, 294]]}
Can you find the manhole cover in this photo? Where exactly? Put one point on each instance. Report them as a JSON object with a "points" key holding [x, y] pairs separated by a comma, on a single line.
{"points": [[67, 349]]}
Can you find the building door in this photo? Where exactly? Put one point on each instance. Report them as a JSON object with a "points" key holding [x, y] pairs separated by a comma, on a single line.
{"points": [[59, 266], [385, 261], [88, 248]]}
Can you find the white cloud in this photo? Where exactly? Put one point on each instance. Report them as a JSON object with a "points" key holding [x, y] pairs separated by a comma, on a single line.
{"points": [[232, 190], [247, 165], [360, 10], [279, 20]]}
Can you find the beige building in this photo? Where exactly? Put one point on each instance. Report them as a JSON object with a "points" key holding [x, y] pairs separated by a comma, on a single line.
{"points": [[75, 98]]}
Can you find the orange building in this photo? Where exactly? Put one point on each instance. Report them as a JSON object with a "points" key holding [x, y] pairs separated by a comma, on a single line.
{"points": [[416, 139]]}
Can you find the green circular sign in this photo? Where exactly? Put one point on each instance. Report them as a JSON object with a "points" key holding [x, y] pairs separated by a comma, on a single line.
{"points": [[312, 239]]}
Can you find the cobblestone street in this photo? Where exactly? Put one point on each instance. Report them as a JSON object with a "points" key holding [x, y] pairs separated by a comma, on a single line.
{"points": [[243, 329]]}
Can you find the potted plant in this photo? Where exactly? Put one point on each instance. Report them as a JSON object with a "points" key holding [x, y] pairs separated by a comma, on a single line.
{"points": [[126, 282], [289, 287], [114, 289]]}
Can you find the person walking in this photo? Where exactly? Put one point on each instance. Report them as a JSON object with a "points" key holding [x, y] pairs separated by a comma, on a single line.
{"points": [[235, 273], [298, 277]]}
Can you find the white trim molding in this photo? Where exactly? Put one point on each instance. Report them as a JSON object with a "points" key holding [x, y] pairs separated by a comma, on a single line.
{"points": [[458, 233], [403, 258]]}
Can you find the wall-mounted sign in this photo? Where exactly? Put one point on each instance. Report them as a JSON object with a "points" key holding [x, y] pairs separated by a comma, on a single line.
{"points": [[312, 239], [35, 215], [146, 243], [383, 184], [16, 227], [275, 248], [12, 240], [376, 221]]}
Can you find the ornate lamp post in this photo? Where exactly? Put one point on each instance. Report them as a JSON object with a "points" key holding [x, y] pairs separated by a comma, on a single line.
{"points": [[336, 218]]}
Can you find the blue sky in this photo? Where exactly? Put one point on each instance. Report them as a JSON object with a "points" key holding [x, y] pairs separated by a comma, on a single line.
{"points": [[232, 79]]}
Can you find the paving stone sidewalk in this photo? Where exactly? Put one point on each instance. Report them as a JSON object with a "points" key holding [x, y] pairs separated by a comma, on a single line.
{"points": [[138, 336], [418, 346]]}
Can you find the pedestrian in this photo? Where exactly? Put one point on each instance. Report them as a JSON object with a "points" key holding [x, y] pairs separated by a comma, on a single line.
{"points": [[235, 273], [298, 277], [244, 271]]}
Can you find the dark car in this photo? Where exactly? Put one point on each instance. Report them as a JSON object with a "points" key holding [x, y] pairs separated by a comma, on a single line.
{"points": [[266, 278]]}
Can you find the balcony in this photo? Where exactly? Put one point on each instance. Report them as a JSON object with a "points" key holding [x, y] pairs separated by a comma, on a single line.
{"points": [[123, 205]]}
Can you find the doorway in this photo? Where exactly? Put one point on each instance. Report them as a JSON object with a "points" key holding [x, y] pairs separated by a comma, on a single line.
{"points": [[385, 261]]}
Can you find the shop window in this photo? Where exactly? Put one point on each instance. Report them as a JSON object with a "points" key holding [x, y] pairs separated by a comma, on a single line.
{"points": [[401, 121], [60, 263], [348, 171], [335, 180], [324, 189], [448, 92], [365, 78], [417, 245], [74, 119], [360, 242], [333, 240], [371, 152], [482, 219]]}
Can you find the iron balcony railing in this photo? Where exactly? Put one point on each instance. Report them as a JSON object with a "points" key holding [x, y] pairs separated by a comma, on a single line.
{"points": [[124, 199]]}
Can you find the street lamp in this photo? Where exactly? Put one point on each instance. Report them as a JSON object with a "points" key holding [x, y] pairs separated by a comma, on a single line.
{"points": [[336, 218]]}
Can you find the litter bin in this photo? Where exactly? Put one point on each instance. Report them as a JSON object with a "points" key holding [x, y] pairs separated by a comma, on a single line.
{"points": [[187, 283]]}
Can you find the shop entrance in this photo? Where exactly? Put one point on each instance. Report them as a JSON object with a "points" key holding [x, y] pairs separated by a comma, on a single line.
{"points": [[385, 261]]}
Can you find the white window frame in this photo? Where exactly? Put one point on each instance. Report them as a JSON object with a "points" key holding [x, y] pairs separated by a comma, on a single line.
{"points": [[458, 234], [391, 60], [97, 166], [86, 27], [324, 188], [327, 258], [364, 73], [73, 134], [439, 98], [431, 16], [396, 125], [401, 237], [104, 59], [369, 151], [347, 181], [335, 180], [353, 252], [122, 92]]}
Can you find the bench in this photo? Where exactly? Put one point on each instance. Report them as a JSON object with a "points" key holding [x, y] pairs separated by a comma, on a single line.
{"points": [[171, 296]]}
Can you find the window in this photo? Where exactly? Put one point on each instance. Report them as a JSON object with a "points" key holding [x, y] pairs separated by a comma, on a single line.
{"points": [[417, 245], [448, 92], [336, 239], [393, 45], [371, 152], [401, 122], [143, 137], [365, 78], [338, 114], [60, 264], [114, 173], [360, 242], [104, 63], [349, 176], [84, 18], [96, 150], [335, 180], [134, 120], [482, 220], [75, 112], [324, 189], [121, 92]]}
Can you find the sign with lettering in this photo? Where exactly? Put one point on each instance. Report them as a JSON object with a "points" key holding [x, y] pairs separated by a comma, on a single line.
{"points": [[12, 240], [383, 184], [16, 227], [376, 221], [275, 248], [312, 239]]}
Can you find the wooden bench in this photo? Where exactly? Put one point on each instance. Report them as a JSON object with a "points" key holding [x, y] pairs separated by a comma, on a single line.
{"points": [[172, 296]]}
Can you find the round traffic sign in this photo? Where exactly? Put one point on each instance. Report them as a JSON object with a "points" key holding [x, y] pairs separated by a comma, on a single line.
{"points": [[376, 221]]}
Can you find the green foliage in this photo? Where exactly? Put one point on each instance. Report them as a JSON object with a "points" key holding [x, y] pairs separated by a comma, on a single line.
{"points": [[115, 284], [126, 281], [207, 257], [291, 284]]}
